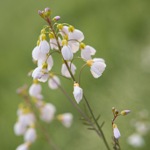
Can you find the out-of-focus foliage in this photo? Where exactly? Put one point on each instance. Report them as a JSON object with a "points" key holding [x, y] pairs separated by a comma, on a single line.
{"points": [[119, 30]]}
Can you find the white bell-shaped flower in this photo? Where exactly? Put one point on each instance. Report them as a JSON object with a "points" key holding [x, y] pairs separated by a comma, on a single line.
{"points": [[77, 92], [67, 52], [74, 45], [87, 51], [24, 146], [48, 60], [116, 131], [19, 128], [54, 82], [97, 66], [66, 119], [41, 74], [30, 135], [65, 71], [47, 112], [44, 47]]}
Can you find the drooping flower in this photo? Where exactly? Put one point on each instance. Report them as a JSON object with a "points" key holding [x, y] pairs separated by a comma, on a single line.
{"points": [[66, 119], [30, 135], [44, 45], [47, 112], [116, 131], [66, 51], [54, 82], [77, 92], [87, 51], [97, 66], [65, 71]]}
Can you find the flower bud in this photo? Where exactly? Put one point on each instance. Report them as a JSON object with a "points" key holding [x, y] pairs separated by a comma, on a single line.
{"points": [[125, 112], [56, 18], [47, 12]]}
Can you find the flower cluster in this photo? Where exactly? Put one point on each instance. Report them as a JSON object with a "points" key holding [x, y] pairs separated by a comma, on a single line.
{"points": [[65, 40], [33, 110]]}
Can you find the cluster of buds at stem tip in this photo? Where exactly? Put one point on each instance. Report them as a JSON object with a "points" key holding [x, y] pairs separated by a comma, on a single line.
{"points": [[116, 113]]}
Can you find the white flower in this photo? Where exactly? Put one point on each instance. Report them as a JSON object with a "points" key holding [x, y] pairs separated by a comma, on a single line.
{"points": [[44, 47], [116, 131], [37, 54], [54, 44], [27, 119], [35, 91], [75, 34], [136, 140], [65, 71], [48, 60], [54, 82], [77, 92], [40, 73], [74, 45], [47, 112], [30, 135], [24, 146], [66, 119], [87, 51], [67, 52], [97, 66], [19, 128]]}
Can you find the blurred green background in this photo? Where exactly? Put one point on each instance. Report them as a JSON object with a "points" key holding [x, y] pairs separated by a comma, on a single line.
{"points": [[119, 30]]}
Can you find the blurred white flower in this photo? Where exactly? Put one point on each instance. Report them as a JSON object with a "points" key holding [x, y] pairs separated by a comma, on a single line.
{"points": [[30, 135], [24, 146], [54, 82], [35, 90], [136, 140], [66, 119], [47, 112], [116, 131], [125, 112], [26, 118], [77, 92], [97, 66], [19, 128], [65, 71]]}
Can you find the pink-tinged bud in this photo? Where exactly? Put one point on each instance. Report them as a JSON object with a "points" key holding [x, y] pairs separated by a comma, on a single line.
{"points": [[56, 18], [41, 13], [47, 12], [125, 112]]}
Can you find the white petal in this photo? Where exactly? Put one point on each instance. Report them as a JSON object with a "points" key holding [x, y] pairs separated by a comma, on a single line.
{"points": [[44, 47], [54, 82], [47, 112], [35, 53], [67, 53], [97, 68], [64, 31], [23, 146], [65, 71], [35, 89], [74, 45], [116, 133], [76, 35], [78, 93], [19, 128], [30, 135], [53, 43]]}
